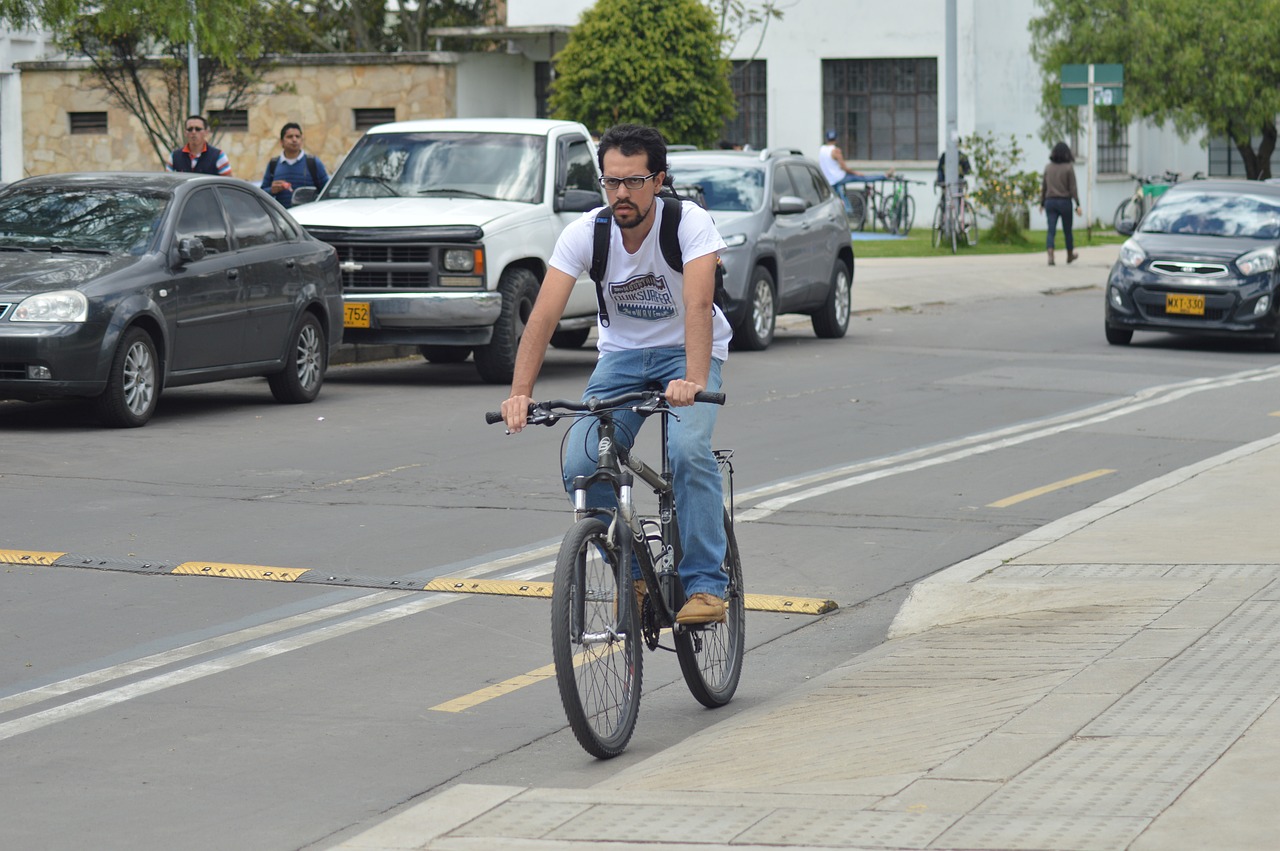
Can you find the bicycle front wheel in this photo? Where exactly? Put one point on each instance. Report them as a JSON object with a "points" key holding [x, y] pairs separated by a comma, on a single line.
{"points": [[857, 209], [970, 224], [906, 215], [595, 640], [939, 219], [711, 655]]}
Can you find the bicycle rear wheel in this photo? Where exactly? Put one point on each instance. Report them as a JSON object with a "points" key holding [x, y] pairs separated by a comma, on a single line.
{"points": [[953, 224], [711, 655], [970, 223], [906, 215], [939, 219], [595, 640], [857, 209]]}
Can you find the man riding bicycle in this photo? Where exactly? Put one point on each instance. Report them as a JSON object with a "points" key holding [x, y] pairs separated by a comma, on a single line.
{"points": [[657, 326]]}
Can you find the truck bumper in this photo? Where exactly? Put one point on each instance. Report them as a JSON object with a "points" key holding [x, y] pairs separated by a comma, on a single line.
{"points": [[422, 318]]}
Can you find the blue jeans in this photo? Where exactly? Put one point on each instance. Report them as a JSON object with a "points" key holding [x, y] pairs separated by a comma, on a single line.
{"points": [[1054, 209], [864, 179], [696, 479]]}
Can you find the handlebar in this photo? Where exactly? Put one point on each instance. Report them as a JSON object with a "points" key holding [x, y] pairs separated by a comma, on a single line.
{"points": [[547, 413]]}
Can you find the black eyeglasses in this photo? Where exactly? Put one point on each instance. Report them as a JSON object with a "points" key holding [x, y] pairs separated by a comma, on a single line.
{"points": [[633, 182]]}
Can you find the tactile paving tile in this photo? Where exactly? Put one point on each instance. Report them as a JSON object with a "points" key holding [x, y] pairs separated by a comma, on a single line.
{"points": [[612, 822], [516, 818], [843, 829], [1042, 833]]}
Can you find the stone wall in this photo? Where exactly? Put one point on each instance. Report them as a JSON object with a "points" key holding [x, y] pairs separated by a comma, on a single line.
{"points": [[319, 92]]}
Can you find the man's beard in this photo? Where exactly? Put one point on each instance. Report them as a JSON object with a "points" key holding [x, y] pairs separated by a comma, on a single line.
{"points": [[641, 215]]}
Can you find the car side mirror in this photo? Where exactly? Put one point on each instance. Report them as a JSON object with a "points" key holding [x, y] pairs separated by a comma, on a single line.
{"points": [[304, 195], [1126, 227], [789, 204], [190, 249], [577, 201]]}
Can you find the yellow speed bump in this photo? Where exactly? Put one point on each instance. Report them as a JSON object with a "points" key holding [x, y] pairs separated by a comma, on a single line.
{"points": [[515, 588], [504, 587], [27, 557], [238, 571]]}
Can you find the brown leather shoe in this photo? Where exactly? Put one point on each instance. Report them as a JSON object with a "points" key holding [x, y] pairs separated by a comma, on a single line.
{"points": [[1072, 257], [702, 608]]}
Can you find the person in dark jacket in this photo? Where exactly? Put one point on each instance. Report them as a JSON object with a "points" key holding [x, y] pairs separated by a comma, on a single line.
{"points": [[294, 168], [198, 155], [1057, 197]]}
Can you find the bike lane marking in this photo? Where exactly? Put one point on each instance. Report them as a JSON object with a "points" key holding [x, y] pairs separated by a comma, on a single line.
{"points": [[1049, 488]]}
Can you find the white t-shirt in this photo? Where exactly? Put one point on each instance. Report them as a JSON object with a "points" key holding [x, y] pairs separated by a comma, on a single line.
{"points": [[831, 169], [645, 296]]}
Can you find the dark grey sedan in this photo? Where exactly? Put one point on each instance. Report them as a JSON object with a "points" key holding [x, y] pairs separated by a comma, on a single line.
{"points": [[1202, 261], [115, 286]]}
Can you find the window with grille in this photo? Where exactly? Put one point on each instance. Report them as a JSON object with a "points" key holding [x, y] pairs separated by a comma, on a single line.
{"points": [[88, 122], [229, 120], [1113, 146], [750, 85], [1225, 159], [882, 109], [366, 118]]}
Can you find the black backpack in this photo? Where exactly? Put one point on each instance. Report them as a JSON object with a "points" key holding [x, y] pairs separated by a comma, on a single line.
{"points": [[668, 242]]}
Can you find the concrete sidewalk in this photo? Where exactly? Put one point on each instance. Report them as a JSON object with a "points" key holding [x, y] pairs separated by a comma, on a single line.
{"points": [[1106, 682]]}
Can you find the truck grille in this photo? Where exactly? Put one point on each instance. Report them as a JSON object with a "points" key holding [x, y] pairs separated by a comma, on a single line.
{"points": [[372, 266]]}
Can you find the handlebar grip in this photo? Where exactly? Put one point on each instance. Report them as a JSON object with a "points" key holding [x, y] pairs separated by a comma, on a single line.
{"points": [[493, 417], [708, 396]]}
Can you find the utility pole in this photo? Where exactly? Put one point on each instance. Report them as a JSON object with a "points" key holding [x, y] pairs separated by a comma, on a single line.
{"points": [[193, 65], [952, 165]]}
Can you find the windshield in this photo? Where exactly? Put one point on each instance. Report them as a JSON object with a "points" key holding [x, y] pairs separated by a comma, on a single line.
{"points": [[79, 218], [502, 166], [1215, 214], [727, 188]]}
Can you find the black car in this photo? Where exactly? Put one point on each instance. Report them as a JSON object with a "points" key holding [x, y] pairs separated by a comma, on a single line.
{"points": [[115, 286], [787, 236], [1202, 261]]}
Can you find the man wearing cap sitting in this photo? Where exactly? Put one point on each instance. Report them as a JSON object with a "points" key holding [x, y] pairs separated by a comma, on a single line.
{"points": [[831, 159]]}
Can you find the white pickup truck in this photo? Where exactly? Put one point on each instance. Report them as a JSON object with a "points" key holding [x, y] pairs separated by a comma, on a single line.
{"points": [[444, 229]]}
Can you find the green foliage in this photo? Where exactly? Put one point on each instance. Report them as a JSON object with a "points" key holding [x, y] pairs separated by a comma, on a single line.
{"points": [[1003, 193], [1199, 66], [654, 62]]}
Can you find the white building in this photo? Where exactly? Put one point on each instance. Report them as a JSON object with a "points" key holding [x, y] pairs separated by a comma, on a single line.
{"points": [[21, 46], [875, 72]]}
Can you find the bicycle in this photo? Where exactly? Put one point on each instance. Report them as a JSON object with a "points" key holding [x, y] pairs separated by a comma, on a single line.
{"points": [[955, 217], [1145, 193], [597, 630], [898, 210]]}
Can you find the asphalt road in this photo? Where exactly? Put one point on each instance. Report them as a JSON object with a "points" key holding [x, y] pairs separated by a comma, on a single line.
{"points": [[152, 712]]}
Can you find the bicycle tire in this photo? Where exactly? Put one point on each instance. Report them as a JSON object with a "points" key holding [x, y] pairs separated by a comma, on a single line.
{"points": [[711, 655], [970, 224], [939, 214], [858, 210], [906, 215], [599, 682], [953, 225]]}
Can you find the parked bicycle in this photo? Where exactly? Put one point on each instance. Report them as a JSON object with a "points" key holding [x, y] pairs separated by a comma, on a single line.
{"points": [[955, 218], [1145, 193], [597, 630]]}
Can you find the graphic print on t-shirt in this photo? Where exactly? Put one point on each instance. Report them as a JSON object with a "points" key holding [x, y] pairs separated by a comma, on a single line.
{"points": [[644, 297]]}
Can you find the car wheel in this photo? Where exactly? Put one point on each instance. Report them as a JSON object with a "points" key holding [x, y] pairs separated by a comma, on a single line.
{"points": [[304, 365], [572, 338], [832, 320], [496, 362], [1119, 336], [445, 354], [755, 332], [133, 384]]}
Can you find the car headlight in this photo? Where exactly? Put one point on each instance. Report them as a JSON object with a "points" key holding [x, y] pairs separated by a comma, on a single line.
{"points": [[733, 240], [1255, 262], [1132, 255], [60, 306], [459, 260]]}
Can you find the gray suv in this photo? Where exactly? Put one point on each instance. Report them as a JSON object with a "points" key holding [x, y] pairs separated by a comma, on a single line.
{"points": [[789, 249]]}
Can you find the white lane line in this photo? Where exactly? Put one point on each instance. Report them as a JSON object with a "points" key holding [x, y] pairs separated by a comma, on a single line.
{"points": [[1143, 400], [85, 705]]}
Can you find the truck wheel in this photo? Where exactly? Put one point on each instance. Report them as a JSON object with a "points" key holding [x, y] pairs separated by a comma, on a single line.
{"points": [[496, 362]]}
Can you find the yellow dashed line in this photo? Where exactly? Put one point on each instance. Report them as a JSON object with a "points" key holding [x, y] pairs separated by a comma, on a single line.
{"points": [[458, 704], [27, 557], [238, 571], [1031, 494]]}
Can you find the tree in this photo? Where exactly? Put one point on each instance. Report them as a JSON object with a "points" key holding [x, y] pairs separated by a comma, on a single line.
{"points": [[379, 26], [1201, 67], [1001, 192], [655, 62]]}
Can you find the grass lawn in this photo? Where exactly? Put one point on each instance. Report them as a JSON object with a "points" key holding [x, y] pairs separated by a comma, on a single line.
{"points": [[918, 244]]}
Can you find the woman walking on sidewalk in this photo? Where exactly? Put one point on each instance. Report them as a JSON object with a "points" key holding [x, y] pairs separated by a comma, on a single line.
{"points": [[1058, 195]]}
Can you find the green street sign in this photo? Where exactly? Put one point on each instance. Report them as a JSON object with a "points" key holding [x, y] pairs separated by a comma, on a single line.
{"points": [[1108, 95], [1107, 87], [1075, 97], [1112, 75], [1074, 75]]}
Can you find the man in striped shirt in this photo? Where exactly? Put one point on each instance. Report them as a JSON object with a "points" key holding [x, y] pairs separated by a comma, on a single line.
{"points": [[198, 155]]}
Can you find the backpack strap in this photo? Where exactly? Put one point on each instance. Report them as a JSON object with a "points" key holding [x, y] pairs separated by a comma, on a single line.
{"points": [[311, 167], [669, 233], [600, 259], [271, 170]]}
